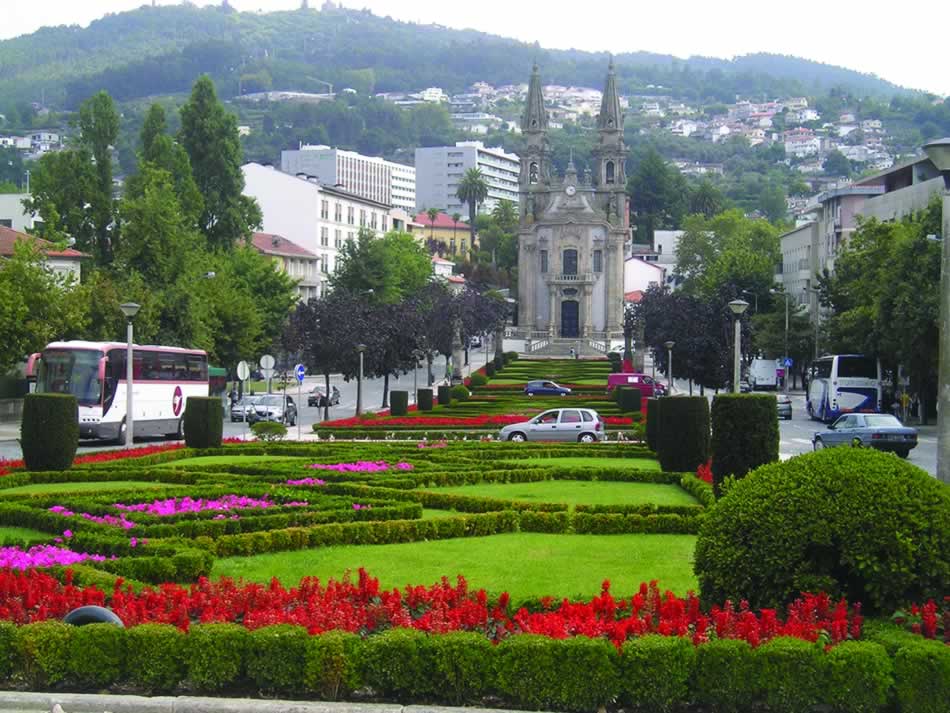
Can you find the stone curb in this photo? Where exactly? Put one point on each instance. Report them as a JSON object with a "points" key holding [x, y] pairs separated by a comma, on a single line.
{"points": [[28, 702]]}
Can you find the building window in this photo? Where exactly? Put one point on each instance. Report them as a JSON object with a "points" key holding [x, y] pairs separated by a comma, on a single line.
{"points": [[323, 264], [385, 223], [598, 261], [533, 173], [351, 236], [362, 218], [324, 209], [324, 237], [569, 262], [544, 261], [338, 239], [609, 172], [372, 222], [338, 212], [349, 214]]}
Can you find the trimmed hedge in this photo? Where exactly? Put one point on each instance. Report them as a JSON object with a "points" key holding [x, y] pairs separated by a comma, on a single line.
{"points": [[459, 393], [656, 671], [629, 399], [745, 434], [791, 674], [653, 421], [860, 677], [49, 432], [204, 422], [477, 379], [444, 395], [922, 674], [802, 525], [399, 403], [424, 399], [683, 433]]}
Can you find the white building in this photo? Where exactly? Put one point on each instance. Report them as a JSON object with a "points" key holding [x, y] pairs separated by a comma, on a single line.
{"points": [[12, 214], [665, 243], [299, 264], [65, 263], [316, 217], [368, 176], [439, 169], [434, 95], [639, 274]]}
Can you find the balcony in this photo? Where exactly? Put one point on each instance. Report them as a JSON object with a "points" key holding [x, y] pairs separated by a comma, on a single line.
{"points": [[572, 278]]}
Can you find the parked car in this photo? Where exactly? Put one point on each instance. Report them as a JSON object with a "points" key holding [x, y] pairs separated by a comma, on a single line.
{"points": [[316, 397], [649, 387], [582, 425], [545, 388], [475, 343], [245, 409], [784, 406], [876, 430], [276, 407]]}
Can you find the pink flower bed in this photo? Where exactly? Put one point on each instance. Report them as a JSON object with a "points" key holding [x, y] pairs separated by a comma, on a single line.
{"points": [[178, 506], [307, 481], [120, 521], [43, 556], [361, 466]]}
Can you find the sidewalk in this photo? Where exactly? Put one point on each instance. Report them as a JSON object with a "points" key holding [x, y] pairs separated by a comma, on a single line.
{"points": [[9, 431]]}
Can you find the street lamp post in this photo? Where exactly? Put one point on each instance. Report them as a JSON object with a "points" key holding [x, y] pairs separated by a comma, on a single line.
{"points": [[129, 309], [785, 354], [755, 298], [417, 354], [359, 381], [939, 153], [669, 365], [737, 307]]}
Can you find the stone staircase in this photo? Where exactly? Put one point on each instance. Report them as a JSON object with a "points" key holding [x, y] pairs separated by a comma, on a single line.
{"points": [[560, 348]]}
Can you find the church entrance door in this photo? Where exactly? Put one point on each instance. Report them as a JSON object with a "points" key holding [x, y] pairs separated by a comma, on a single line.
{"points": [[570, 321]]}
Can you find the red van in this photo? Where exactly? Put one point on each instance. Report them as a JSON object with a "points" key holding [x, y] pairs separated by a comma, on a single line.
{"points": [[649, 387]]}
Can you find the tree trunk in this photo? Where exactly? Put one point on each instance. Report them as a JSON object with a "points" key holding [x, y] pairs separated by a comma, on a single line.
{"points": [[326, 392], [429, 376], [386, 390]]}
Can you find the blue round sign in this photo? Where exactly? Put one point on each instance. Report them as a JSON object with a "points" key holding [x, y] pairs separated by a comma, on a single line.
{"points": [[300, 371]]}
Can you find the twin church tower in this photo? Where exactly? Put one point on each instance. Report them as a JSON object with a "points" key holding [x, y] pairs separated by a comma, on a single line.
{"points": [[572, 229]]}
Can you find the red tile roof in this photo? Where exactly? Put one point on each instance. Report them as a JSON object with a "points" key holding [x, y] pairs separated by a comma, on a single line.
{"points": [[634, 296], [442, 220], [9, 237], [271, 244]]}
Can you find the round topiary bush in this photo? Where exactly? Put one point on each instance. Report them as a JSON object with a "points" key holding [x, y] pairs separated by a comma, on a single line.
{"points": [[511, 356], [424, 399], [459, 393], [477, 379], [49, 432], [682, 438], [490, 369], [204, 422], [398, 403], [744, 434], [850, 522]]}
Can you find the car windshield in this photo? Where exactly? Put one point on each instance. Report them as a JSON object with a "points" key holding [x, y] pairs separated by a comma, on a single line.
{"points": [[271, 401], [882, 420], [73, 371], [250, 400]]}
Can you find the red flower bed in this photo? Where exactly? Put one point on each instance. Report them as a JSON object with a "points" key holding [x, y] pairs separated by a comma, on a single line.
{"points": [[449, 421], [363, 607], [929, 620], [704, 472]]}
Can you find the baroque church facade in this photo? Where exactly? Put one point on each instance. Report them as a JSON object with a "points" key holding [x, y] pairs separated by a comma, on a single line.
{"points": [[573, 229]]}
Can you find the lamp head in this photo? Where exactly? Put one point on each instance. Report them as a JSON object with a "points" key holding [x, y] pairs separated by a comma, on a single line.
{"points": [[939, 153], [361, 348], [669, 345], [129, 309], [738, 307]]}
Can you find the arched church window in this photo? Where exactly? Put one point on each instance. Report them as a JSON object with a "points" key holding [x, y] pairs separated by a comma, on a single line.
{"points": [[569, 262], [609, 172], [544, 260], [533, 173]]}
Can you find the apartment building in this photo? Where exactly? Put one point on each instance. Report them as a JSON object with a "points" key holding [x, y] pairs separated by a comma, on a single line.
{"points": [[439, 170], [367, 176], [299, 264]]}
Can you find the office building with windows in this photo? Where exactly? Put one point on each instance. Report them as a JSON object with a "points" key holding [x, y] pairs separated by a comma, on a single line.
{"points": [[439, 170]]}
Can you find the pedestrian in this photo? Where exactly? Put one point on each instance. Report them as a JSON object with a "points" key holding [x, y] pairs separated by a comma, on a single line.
{"points": [[233, 397], [572, 353]]}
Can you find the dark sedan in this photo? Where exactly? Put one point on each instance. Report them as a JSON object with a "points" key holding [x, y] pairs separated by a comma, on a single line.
{"points": [[545, 388], [873, 430]]}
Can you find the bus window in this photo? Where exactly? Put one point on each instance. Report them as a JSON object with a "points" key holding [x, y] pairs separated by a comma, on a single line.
{"points": [[855, 367]]}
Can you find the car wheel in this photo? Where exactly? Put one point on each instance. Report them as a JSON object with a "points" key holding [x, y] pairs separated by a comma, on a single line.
{"points": [[856, 442], [903, 452], [586, 438], [517, 437], [530, 393], [563, 393], [819, 444]]}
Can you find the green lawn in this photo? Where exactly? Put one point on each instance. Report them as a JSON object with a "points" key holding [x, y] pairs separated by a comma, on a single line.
{"points": [[576, 492], [22, 534], [523, 564], [227, 460], [580, 462], [81, 487]]}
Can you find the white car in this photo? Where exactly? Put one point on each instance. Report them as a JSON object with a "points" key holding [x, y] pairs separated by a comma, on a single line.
{"points": [[581, 425]]}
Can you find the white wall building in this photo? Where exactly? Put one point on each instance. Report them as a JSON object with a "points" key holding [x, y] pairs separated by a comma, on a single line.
{"points": [[368, 176], [316, 217], [665, 243], [298, 264], [439, 169], [12, 214], [65, 263], [639, 274]]}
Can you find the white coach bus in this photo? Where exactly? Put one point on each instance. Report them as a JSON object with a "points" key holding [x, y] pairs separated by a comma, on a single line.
{"points": [[95, 373]]}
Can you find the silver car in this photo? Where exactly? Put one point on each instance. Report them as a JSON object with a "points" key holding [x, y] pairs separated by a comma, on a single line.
{"points": [[582, 425], [784, 404]]}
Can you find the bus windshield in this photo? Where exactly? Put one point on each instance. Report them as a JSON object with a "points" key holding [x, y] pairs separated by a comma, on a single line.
{"points": [[74, 372]]}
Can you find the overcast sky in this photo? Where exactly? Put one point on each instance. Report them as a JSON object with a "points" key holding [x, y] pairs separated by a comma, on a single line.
{"points": [[890, 40]]}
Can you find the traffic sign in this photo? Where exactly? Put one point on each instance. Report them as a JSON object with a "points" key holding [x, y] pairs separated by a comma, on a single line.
{"points": [[268, 361], [243, 371], [300, 371], [788, 361]]}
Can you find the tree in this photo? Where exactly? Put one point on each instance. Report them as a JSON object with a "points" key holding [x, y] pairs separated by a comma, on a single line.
{"points": [[433, 214], [99, 126], [210, 137], [472, 189], [768, 335], [386, 269], [772, 202], [836, 164], [657, 195], [705, 199]]}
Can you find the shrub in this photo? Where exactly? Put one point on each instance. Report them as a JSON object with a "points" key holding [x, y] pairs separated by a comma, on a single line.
{"points": [[576, 674], [276, 656], [424, 399], [155, 656], [459, 393], [510, 357], [477, 379], [860, 676], [204, 422], [394, 663], [922, 671], [724, 675], [462, 660], [269, 431], [744, 434], [490, 369], [653, 420], [96, 654], [43, 650], [331, 665], [791, 674], [629, 399], [49, 433], [655, 671], [399, 403], [683, 433], [445, 395], [802, 525], [214, 655]]}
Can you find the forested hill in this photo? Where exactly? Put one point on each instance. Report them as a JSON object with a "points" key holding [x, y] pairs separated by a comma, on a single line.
{"points": [[160, 50]]}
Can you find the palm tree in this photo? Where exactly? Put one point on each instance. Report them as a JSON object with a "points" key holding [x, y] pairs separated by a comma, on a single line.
{"points": [[473, 189], [455, 224], [433, 213]]}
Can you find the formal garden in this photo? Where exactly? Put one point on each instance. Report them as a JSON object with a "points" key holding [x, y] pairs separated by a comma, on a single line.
{"points": [[679, 569]]}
